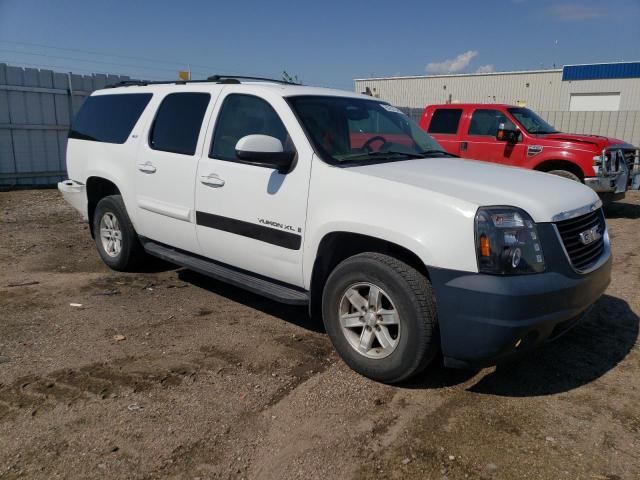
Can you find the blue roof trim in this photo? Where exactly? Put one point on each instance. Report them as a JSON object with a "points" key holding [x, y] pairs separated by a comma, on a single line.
{"points": [[601, 71]]}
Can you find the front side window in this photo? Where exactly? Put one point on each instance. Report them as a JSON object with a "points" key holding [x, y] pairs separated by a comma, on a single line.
{"points": [[486, 122], [445, 121], [348, 130], [243, 115], [531, 121], [108, 118], [178, 122]]}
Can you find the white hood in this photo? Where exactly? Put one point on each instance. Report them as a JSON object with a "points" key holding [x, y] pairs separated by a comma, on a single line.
{"points": [[484, 184]]}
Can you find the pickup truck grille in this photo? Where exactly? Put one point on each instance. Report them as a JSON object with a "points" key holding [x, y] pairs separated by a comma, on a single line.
{"points": [[583, 252], [629, 157]]}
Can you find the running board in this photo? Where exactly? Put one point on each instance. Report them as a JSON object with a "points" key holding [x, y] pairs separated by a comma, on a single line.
{"points": [[261, 286]]}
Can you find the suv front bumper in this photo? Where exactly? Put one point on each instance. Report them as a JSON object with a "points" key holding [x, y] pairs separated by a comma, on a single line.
{"points": [[484, 319]]}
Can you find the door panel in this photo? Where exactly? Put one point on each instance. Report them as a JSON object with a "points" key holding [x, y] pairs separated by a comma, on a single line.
{"points": [[166, 170], [253, 217], [480, 139]]}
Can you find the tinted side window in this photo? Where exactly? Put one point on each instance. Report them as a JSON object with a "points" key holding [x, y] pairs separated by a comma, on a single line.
{"points": [[108, 118], [445, 120], [486, 122], [243, 115], [178, 122]]}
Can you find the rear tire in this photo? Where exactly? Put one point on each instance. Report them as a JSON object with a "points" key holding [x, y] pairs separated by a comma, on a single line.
{"points": [[116, 239], [565, 174], [363, 297]]}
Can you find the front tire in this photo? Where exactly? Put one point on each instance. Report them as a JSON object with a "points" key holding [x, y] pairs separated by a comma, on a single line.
{"points": [[116, 239], [380, 315], [566, 174]]}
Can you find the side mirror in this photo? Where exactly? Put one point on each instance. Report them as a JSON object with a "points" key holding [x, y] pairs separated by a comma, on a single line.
{"points": [[507, 135], [264, 151]]}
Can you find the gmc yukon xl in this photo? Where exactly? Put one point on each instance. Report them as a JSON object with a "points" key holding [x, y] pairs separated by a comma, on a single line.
{"points": [[338, 201]]}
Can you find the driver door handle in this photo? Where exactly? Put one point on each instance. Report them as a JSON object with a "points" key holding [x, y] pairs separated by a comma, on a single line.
{"points": [[147, 167], [212, 180]]}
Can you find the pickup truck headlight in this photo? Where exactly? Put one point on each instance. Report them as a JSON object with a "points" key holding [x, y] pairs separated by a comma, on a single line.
{"points": [[507, 241]]}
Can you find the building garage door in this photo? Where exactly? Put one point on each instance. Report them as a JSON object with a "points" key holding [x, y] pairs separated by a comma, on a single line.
{"points": [[594, 102]]}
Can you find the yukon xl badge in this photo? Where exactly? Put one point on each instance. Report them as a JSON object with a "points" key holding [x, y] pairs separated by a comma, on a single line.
{"points": [[279, 225], [589, 236]]}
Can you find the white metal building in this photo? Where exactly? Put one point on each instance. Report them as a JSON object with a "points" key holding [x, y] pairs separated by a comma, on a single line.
{"points": [[598, 87], [597, 98]]}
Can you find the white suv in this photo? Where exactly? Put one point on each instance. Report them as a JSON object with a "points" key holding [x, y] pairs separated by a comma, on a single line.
{"points": [[339, 201]]}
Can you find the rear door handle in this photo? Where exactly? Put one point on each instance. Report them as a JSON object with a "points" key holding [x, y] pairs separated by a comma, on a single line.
{"points": [[147, 167], [212, 180]]}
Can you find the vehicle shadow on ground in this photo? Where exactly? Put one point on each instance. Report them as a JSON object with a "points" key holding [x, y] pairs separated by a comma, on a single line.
{"points": [[155, 265], [295, 315], [622, 210], [582, 355]]}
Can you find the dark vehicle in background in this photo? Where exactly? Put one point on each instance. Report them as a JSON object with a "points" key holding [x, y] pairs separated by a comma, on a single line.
{"points": [[517, 136]]}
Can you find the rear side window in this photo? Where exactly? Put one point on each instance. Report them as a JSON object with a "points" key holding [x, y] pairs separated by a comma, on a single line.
{"points": [[108, 118], [485, 122], [178, 122], [445, 120], [243, 115]]}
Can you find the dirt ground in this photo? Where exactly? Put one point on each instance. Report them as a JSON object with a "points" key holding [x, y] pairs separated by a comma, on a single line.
{"points": [[212, 382]]}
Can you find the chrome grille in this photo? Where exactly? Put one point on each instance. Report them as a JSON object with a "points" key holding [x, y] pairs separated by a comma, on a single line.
{"points": [[629, 157], [583, 256]]}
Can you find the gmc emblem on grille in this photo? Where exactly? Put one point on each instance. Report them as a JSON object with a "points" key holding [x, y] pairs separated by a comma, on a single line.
{"points": [[590, 236]]}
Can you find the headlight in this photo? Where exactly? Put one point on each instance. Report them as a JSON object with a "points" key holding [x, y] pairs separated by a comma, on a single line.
{"points": [[507, 241]]}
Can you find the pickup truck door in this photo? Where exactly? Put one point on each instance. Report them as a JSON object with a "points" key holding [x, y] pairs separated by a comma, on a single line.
{"points": [[252, 217], [479, 138], [444, 126], [166, 166]]}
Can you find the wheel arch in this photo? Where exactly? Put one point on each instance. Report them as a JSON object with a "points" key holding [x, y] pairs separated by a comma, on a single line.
{"points": [[557, 164], [97, 188], [339, 245]]}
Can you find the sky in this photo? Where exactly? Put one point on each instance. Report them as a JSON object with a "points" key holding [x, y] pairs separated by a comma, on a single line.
{"points": [[325, 43]]}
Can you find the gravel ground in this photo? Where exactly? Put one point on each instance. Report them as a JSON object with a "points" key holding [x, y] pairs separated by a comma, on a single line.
{"points": [[168, 374]]}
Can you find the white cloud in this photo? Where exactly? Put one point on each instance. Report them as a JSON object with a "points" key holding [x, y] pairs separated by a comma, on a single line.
{"points": [[488, 68], [453, 65], [574, 12]]}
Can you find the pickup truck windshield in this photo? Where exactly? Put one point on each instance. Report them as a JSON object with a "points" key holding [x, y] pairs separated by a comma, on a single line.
{"points": [[531, 121], [354, 131]]}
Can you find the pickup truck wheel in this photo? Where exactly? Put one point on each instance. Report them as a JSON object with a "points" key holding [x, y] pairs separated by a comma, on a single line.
{"points": [[380, 315], [565, 174], [115, 237]]}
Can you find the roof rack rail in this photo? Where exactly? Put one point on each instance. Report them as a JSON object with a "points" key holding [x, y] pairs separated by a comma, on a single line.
{"points": [[143, 83], [213, 78], [221, 78]]}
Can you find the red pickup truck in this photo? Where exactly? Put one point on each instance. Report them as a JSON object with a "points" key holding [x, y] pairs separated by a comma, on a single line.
{"points": [[519, 137]]}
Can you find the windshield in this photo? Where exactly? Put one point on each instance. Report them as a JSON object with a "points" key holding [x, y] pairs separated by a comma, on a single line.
{"points": [[355, 131], [531, 122]]}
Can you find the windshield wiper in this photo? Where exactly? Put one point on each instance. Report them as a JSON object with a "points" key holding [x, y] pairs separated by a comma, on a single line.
{"points": [[437, 153], [386, 153]]}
